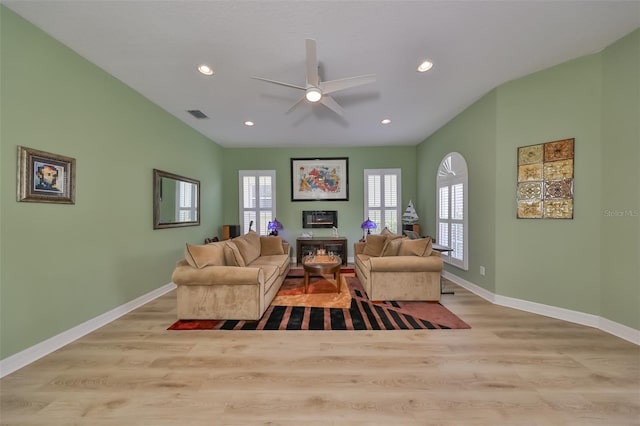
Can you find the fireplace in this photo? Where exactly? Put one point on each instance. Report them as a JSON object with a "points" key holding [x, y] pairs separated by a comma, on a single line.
{"points": [[319, 218]]}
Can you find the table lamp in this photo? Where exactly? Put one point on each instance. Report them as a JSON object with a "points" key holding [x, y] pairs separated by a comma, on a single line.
{"points": [[274, 226], [368, 225]]}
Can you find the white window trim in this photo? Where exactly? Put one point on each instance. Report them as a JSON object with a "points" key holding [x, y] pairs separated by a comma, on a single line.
{"points": [[241, 209], [449, 176], [398, 174]]}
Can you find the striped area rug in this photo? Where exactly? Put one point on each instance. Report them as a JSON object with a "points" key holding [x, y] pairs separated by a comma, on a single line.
{"points": [[363, 314]]}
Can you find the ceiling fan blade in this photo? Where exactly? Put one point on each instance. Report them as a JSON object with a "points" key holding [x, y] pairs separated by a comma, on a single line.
{"points": [[330, 103], [346, 83], [296, 104], [312, 63], [280, 83]]}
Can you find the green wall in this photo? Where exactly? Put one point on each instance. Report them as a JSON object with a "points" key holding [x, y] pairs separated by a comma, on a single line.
{"points": [[62, 265], [620, 190], [472, 134], [546, 261], [588, 264], [350, 213]]}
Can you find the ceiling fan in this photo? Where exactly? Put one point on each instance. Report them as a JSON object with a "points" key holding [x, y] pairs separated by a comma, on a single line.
{"points": [[318, 91]]}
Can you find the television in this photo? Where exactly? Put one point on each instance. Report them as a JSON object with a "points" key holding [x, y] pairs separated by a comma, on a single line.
{"points": [[319, 218]]}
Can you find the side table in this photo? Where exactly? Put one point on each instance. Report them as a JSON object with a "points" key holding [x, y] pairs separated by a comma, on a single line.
{"points": [[443, 249]]}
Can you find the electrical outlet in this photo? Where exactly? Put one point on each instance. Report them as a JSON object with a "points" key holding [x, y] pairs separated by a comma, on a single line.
{"points": [[482, 270]]}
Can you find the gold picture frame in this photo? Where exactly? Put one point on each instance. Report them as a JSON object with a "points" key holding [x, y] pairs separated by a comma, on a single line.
{"points": [[44, 177]]}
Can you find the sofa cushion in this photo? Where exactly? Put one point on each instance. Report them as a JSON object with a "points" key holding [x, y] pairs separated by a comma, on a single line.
{"points": [[270, 246], [374, 245], [248, 245], [420, 247], [199, 256], [391, 246], [279, 260], [232, 255]]}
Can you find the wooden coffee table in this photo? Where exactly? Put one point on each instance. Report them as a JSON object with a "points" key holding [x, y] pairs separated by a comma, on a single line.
{"points": [[320, 265]]}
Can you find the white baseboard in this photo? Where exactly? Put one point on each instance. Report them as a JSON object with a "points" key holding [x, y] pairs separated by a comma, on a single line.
{"points": [[619, 330], [35, 352]]}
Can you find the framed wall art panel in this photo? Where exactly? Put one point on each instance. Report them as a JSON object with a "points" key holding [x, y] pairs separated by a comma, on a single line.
{"points": [[545, 180], [314, 179]]}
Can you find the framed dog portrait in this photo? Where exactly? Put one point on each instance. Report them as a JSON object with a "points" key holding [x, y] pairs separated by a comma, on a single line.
{"points": [[44, 177]]}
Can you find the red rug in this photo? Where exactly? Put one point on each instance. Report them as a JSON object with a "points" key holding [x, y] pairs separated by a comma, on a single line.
{"points": [[363, 314]]}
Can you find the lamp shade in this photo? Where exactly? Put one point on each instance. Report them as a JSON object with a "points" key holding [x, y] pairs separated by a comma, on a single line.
{"points": [[274, 226], [368, 224]]}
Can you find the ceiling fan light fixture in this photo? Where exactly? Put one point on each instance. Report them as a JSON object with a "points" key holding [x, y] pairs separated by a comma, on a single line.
{"points": [[249, 123], [205, 69], [386, 121], [425, 66], [313, 94]]}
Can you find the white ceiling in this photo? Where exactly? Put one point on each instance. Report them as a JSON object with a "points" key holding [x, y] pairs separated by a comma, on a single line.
{"points": [[155, 46]]}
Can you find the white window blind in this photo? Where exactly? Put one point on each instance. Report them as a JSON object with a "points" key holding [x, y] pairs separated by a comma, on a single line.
{"points": [[187, 196], [257, 199], [382, 198], [452, 182]]}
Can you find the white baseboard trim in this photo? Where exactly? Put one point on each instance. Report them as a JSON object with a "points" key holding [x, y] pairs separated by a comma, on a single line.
{"points": [[619, 330], [35, 352]]}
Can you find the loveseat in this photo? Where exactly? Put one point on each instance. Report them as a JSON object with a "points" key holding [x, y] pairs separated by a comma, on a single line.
{"points": [[393, 267], [233, 279]]}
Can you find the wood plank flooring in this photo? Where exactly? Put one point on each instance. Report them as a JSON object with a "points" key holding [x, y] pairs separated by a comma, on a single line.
{"points": [[510, 368]]}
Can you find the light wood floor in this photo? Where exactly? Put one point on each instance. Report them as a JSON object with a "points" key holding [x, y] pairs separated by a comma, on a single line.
{"points": [[511, 368]]}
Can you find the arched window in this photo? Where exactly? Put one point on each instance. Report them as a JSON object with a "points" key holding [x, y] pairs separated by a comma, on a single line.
{"points": [[451, 217]]}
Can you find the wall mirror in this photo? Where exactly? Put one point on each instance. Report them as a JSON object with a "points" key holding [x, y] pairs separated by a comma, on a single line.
{"points": [[176, 200]]}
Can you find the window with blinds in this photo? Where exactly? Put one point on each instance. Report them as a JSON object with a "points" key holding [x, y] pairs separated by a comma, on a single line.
{"points": [[187, 206], [382, 191], [452, 222], [257, 199]]}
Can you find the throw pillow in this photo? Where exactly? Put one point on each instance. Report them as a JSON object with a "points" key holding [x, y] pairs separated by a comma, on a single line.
{"points": [[386, 231], [421, 247], [232, 255], [270, 246], [392, 246], [199, 256], [248, 246], [374, 245]]}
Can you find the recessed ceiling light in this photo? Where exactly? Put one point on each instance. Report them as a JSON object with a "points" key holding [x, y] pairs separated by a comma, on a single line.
{"points": [[386, 121], [249, 123], [205, 69], [425, 66]]}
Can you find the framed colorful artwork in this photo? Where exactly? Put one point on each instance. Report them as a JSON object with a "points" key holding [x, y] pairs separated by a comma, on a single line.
{"points": [[44, 177], [315, 179], [545, 180]]}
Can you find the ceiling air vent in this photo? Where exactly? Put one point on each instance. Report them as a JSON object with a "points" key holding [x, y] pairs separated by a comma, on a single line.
{"points": [[197, 113]]}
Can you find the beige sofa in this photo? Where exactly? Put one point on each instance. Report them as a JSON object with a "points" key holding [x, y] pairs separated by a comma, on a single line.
{"points": [[392, 267], [234, 279]]}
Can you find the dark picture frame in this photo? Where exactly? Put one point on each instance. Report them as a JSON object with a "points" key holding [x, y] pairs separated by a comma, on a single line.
{"points": [[44, 177], [320, 179], [168, 190]]}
